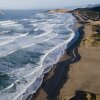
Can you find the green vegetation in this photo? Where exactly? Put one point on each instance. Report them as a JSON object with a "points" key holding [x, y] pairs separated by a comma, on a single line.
{"points": [[89, 13]]}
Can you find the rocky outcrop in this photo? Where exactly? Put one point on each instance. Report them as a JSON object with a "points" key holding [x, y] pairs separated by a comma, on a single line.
{"points": [[83, 95]]}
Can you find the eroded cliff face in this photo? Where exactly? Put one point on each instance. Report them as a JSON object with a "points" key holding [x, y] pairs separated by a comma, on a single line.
{"points": [[83, 95]]}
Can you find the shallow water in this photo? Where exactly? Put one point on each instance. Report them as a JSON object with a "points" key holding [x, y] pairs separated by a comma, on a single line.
{"points": [[29, 43]]}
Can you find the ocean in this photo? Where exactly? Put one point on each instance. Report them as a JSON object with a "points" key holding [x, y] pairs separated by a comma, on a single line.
{"points": [[30, 43]]}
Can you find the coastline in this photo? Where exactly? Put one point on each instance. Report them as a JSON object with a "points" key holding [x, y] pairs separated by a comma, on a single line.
{"points": [[52, 80], [60, 79]]}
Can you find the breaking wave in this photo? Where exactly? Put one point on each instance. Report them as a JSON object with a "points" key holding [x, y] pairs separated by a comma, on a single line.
{"points": [[27, 47]]}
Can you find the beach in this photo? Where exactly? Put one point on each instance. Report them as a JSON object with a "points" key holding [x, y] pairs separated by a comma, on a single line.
{"points": [[77, 74]]}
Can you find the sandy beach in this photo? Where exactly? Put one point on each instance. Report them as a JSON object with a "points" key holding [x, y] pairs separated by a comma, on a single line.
{"points": [[77, 74]]}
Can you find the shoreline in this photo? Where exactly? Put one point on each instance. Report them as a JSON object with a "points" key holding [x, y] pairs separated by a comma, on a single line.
{"points": [[57, 71]]}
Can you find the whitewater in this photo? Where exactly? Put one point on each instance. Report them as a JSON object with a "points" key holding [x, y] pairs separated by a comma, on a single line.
{"points": [[30, 44]]}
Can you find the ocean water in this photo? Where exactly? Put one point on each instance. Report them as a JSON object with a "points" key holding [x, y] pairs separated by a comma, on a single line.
{"points": [[30, 42]]}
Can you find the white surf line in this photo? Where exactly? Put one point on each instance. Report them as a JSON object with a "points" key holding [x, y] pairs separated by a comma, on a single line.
{"points": [[8, 22], [10, 86], [14, 38], [45, 32], [41, 41], [29, 45], [8, 53], [72, 36], [34, 44], [22, 35], [17, 97], [6, 42], [55, 48], [42, 59]]}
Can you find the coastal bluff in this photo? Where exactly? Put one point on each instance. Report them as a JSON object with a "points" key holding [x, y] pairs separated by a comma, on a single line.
{"points": [[60, 11]]}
